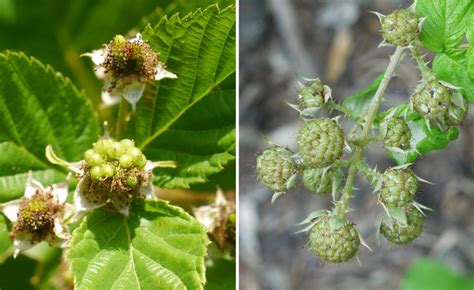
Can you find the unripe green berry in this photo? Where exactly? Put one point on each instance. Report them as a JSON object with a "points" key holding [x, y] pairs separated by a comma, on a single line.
{"points": [[398, 234], [119, 39], [126, 160], [95, 159], [398, 187], [320, 142], [127, 143], [132, 180], [135, 153], [400, 28], [141, 162], [311, 96], [334, 246], [96, 172], [431, 99], [88, 155], [116, 150], [398, 134], [319, 180], [274, 168], [108, 170], [457, 110], [102, 146]]}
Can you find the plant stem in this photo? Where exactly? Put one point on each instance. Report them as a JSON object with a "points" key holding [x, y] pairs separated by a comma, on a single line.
{"points": [[416, 52], [373, 109], [122, 118]]}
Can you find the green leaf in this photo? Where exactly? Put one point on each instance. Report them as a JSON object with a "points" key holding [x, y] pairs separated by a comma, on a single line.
{"points": [[38, 106], [17, 273], [455, 72], [360, 101], [424, 139], [444, 27], [158, 247], [5, 243], [398, 214], [220, 274], [429, 274], [191, 119]]}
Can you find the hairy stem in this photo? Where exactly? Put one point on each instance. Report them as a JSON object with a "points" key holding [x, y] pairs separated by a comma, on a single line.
{"points": [[122, 118], [416, 52], [373, 109]]}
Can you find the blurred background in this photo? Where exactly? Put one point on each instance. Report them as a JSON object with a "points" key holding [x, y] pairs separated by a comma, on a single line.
{"points": [[337, 41]]}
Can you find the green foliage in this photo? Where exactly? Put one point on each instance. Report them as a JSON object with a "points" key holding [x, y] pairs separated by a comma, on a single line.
{"points": [[191, 119], [456, 72], [359, 102], [424, 138], [429, 274], [447, 24], [39, 106], [220, 274], [159, 247]]}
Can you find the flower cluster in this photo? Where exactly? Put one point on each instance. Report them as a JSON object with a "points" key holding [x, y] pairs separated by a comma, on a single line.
{"points": [[126, 66], [40, 215]]}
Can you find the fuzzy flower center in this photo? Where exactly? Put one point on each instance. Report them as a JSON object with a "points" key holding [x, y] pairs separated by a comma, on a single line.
{"points": [[36, 216], [130, 59]]}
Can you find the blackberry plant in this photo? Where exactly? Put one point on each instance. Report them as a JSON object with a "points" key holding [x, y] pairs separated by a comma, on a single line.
{"points": [[92, 159], [329, 156]]}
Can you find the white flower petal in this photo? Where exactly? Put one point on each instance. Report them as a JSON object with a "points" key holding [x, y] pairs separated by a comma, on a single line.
{"points": [[97, 56], [149, 166], [59, 229], [11, 209], [123, 210], [22, 242], [133, 92], [137, 39], [80, 203], [148, 191], [69, 212], [100, 72], [58, 242], [61, 190], [32, 186], [161, 73], [109, 100]]}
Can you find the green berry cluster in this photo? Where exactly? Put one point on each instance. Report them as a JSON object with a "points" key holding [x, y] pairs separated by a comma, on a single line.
{"points": [[398, 134], [334, 245], [400, 28], [107, 156], [311, 96], [431, 99], [275, 168], [36, 216], [399, 187], [114, 172], [320, 142], [403, 234]]}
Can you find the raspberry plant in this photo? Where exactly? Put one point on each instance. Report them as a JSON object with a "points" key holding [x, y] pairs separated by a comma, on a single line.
{"points": [[427, 121], [88, 172]]}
